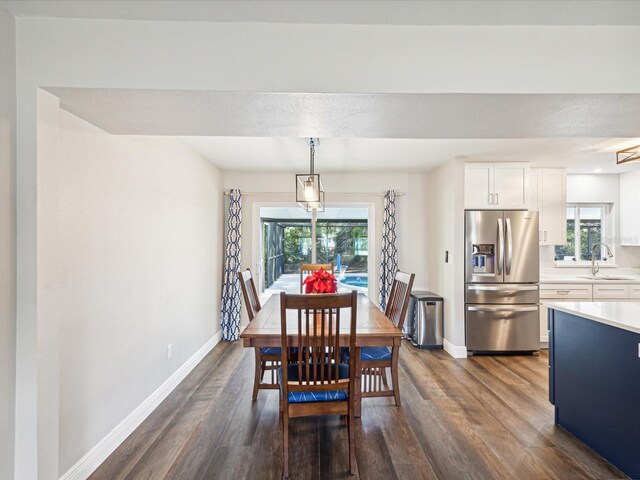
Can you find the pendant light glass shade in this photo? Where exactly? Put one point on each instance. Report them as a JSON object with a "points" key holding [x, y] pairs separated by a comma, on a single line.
{"points": [[309, 190], [312, 205], [307, 187]]}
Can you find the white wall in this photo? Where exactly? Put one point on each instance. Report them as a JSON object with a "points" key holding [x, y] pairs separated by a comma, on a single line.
{"points": [[129, 242], [593, 188], [7, 241], [605, 189], [446, 233]]}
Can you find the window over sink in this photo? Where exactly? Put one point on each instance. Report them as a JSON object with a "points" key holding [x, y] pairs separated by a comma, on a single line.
{"points": [[586, 226]]}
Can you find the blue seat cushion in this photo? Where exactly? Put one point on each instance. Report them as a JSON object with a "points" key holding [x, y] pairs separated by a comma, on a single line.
{"points": [[270, 350], [376, 353], [275, 350], [369, 353], [305, 397]]}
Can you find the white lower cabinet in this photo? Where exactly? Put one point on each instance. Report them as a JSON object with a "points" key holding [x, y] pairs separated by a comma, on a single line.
{"points": [[582, 292], [610, 292], [634, 291], [544, 326], [574, 292], [560, 292]]}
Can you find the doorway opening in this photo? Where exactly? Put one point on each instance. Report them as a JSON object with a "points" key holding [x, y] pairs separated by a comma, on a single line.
{"points": [[342, 238]]}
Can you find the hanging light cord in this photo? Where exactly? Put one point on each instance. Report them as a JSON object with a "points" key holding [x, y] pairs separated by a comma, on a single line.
{"points": [[312, 153]]}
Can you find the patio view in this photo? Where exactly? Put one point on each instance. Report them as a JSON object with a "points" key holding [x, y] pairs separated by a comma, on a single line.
{"points": [[287, 244]]}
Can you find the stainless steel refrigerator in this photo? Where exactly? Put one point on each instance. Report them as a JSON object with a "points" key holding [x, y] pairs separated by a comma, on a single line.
{"points": [[502, 271]]}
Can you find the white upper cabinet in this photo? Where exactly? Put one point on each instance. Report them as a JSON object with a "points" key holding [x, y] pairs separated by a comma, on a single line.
{"points": [[478, 185], [549, 197], [629, 202], [500, 186]]}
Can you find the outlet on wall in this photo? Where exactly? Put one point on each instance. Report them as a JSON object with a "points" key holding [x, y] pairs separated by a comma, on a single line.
{"points": [[169, 351]]}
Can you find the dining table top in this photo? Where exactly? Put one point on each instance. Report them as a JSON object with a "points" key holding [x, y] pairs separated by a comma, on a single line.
{"points": [[372, 326]]}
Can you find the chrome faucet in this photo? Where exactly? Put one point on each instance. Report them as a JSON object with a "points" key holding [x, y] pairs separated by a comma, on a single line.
{"points": [[596, 268]]}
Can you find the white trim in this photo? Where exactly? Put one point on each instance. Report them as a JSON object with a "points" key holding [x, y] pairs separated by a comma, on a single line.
{"points": [[105, 447], [454, 350], [381, 194], [544, 339]]}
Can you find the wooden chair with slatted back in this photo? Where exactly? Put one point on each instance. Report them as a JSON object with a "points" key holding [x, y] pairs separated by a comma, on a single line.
{"points": [[374, 361], [267, 358], [317, 383], [307, 269]]}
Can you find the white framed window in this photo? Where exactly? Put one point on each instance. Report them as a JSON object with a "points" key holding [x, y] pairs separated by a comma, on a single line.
{"points": [[587, 226]]}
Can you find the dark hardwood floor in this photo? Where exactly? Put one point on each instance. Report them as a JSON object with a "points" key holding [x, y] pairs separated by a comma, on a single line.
{"points": [[477, 418]]}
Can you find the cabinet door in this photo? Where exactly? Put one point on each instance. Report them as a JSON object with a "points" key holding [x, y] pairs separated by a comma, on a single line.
{"points": [[610, 292], [535, 193], [544, 329], [553, 201], [634, 291], [478, 186], [535, 198], [576, 292], [511, 186], [629, 200]]}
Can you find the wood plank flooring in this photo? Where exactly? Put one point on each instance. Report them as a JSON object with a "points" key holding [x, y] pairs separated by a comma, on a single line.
{"points": [[475, 418]]}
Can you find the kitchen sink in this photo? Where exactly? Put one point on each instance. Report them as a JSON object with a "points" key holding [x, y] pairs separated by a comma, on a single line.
{"points": [[605, 277]]}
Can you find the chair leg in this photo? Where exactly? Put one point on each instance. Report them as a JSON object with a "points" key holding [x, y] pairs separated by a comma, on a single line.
{"points": [[351, 427], [394, 375], [258, 374], [285, 445], [383, 372], [358, 383]]}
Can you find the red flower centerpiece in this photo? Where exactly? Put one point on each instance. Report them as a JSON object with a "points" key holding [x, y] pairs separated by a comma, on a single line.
{"points": [[320, 281]]}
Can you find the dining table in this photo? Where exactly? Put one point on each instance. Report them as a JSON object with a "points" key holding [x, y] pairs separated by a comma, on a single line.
{"points": [[373, 328]]}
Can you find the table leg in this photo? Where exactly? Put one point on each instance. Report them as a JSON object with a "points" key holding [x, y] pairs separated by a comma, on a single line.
{"points": [[358, 386]]}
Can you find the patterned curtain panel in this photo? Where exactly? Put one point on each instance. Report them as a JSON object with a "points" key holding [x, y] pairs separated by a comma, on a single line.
{"points": [[389, 254], [230, 304]]}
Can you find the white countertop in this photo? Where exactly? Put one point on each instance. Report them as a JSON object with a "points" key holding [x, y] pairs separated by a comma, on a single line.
{"points": [[579, 279], [624, 315]]}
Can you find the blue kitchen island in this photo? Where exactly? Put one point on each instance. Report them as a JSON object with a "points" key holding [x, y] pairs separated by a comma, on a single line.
{"points": [[594, 377]]}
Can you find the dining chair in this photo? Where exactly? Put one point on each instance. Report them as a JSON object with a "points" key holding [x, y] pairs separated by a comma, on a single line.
{"points": [[307, 269], [317, 383], [374, 361], [267, 358]]}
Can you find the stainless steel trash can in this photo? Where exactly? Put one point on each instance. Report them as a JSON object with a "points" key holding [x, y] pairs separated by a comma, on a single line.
{"points": [[424, 324]]}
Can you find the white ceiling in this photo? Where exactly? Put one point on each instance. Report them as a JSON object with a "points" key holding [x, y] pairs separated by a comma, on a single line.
{"points": [[579, 155], [471, 12]]}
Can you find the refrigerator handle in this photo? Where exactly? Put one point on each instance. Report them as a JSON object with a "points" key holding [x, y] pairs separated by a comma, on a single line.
{"points": [[502, 308], [500, 253], [509, 251]]}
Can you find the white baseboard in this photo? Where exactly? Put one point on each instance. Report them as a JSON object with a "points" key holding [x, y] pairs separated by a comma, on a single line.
{"points": [[105, 447], [454, 350]]}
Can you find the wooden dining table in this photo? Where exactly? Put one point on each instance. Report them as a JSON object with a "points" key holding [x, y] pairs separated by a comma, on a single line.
{"points": [[373, 328]]}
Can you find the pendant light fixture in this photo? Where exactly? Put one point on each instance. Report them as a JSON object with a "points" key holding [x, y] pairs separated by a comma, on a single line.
{"points": [[628, 155], [309, 189]]}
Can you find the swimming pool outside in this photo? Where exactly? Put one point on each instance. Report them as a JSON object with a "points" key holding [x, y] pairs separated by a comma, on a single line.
{"points": [[356, 280], [290, 283]]}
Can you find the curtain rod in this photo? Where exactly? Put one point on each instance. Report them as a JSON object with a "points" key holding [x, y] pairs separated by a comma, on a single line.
{"points": [[398, 194]]}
